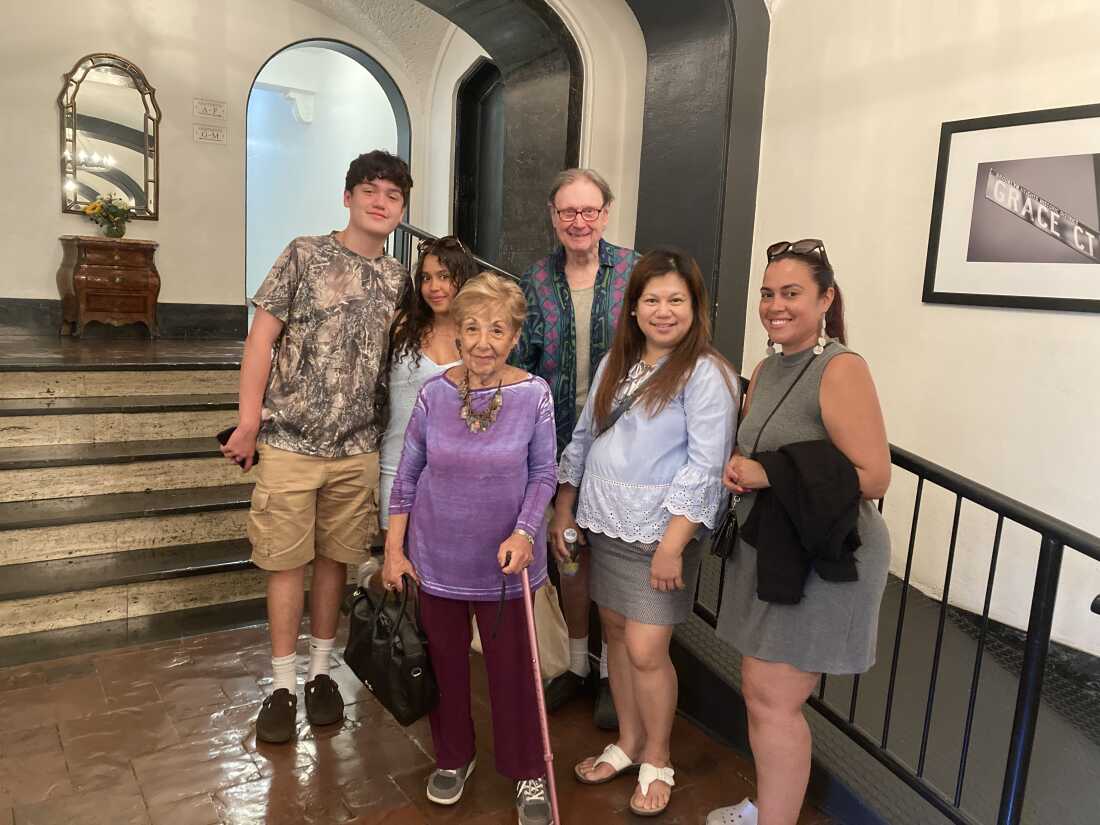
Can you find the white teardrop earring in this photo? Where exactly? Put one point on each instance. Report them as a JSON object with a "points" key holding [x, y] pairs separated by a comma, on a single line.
{"points": [[770, 346], [821, 339]]}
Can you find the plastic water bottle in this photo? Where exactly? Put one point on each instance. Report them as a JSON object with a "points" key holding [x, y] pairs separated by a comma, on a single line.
{"points": [[570, 567]]}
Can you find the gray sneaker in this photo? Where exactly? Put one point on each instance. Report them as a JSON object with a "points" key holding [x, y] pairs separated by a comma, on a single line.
{"points": [[445, 786], [531, 802]]}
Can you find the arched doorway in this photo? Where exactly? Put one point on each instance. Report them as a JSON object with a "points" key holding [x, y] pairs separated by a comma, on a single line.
{"points": [[312, 108], [479, 160]]}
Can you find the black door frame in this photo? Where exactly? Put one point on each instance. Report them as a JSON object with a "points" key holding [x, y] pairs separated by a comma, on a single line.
{"points": [[493, 78]]}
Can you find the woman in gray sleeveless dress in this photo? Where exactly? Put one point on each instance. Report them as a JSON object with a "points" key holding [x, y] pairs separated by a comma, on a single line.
{"points": [[816, 389]]}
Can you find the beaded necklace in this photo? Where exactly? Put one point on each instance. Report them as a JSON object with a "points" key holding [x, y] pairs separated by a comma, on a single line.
{"points": [[478, 422]]}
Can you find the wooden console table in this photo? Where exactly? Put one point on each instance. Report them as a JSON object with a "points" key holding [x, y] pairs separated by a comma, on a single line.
{"points": [[106, 279]]}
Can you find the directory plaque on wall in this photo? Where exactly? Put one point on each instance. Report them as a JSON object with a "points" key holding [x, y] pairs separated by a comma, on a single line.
{"points": [[213, 109], [208, 133]]}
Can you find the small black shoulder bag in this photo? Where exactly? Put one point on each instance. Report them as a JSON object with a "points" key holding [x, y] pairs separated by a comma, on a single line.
{"points": [[723, 539]]}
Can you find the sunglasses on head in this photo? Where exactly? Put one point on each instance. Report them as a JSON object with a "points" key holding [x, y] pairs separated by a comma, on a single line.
{"points": [[807, 246], [426, 246]]}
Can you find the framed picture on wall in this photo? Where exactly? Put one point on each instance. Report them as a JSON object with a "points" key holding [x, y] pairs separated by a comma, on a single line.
{"points": [[1016, 212]]}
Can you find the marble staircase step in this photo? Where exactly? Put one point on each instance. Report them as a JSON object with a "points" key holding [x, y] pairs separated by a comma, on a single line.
{"points": [[20, 545], [43, 578], [19, 649], [111, 452], [99, 404], [23, 515], [141, 381], [128, 601], [60, 471], [99, 427]]}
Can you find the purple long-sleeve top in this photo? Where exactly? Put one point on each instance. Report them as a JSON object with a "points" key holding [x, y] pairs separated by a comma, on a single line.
{"points": [[466, 492]]}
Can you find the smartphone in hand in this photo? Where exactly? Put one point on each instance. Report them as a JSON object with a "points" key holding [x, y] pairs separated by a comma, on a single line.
{"points": [[223, 439]]}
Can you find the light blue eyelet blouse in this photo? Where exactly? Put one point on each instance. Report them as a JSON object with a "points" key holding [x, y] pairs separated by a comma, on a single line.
{"points": [[648, 468]]}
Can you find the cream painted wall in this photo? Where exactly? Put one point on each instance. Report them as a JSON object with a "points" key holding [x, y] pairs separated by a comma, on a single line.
{"points": [[457, 54], [613, 52], [211, 49], [856, 93], [191, 48], [614, 57]]}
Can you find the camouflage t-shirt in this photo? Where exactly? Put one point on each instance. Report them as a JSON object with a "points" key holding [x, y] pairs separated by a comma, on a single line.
{"points": [[336, 308]]}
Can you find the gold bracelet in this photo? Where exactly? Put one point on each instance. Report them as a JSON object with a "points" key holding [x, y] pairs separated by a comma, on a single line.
{"points": [[525, 534]]}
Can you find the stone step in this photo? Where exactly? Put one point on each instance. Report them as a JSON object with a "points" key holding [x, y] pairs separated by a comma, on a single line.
{"points": [[99, 427], [140, 381], [113, 507], [61, 471], [19, 545], [99, 404], [157, 628], [128, 601], [69, 575]]}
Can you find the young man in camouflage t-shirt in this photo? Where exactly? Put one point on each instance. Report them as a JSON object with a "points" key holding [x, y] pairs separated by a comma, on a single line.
{"points": [[308, 376]]}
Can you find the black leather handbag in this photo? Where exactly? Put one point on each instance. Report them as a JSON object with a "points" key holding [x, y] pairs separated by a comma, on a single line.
{"points": [[388, 651]]}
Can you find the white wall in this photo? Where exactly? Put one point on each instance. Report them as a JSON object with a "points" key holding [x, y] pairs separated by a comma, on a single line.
{"points": [[613, 52], [298, 157], [190, 48], [457, 54], [856, 93]]}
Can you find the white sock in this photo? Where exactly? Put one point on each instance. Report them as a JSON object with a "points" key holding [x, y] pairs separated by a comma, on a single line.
{"points": [[578, 656], [320, 657], [282, 671], [603, 661]]}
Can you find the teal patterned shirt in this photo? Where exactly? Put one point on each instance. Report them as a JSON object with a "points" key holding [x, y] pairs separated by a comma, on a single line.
{"points": [[548, 344]]}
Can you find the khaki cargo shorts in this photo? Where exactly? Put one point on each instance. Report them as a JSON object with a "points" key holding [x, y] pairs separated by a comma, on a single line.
{"points": [[305, 506]]}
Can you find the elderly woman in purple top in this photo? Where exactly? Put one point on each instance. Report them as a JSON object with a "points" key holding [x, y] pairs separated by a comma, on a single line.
{"points": [[476, 474]]}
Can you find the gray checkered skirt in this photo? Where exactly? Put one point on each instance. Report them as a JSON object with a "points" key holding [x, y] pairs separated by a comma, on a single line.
{"points": [[619, 581]]}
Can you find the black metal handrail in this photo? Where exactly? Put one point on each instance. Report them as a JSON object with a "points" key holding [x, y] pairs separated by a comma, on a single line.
{"points": [[403, 246], [1010, 508], [1055, 536]]}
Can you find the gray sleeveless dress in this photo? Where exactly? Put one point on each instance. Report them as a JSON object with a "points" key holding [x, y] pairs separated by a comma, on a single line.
{"points": [[834, 628]]}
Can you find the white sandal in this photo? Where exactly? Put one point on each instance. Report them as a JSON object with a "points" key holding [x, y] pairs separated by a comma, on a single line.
{"points": [[647, 775], [612, 755]]}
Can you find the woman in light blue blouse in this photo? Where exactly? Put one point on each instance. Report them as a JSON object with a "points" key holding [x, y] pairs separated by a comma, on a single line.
{"points": [[646, 458]]}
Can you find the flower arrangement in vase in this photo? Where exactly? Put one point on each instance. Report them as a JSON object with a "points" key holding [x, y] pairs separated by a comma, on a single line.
{"points": [[110, 212]]}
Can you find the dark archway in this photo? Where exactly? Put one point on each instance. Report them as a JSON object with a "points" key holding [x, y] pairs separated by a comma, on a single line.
{"points": [[541, 69], [479, 160], [704, 105]]}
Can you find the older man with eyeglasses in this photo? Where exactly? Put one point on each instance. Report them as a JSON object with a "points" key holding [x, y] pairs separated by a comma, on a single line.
{"points": [[574, 297]]}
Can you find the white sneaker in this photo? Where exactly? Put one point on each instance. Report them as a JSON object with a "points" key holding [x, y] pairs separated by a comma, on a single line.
{"points": [[743, 813]]}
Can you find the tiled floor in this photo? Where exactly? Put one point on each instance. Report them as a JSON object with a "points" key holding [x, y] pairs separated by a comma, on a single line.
{"points": [[163, 734]]}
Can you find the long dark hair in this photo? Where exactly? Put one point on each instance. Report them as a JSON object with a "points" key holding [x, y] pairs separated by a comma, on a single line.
{"points": [[821, 270], [413, 320], [629, 344]]}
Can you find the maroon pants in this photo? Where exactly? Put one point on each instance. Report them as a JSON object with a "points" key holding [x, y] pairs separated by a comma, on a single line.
{"points": [[517, 740]]}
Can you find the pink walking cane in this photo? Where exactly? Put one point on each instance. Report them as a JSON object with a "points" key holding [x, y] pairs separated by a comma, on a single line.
{"points": [[543, 724]]}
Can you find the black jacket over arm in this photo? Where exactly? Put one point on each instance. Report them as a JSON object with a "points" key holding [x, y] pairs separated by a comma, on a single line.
{"points": [[806, 518]]}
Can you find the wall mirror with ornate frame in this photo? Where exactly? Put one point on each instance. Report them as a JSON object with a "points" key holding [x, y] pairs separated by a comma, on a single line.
{"points": [[109, 135]]}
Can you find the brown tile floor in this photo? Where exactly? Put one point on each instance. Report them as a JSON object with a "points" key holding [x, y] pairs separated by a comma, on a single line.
{"points": [[163, 734]]}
